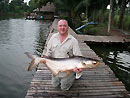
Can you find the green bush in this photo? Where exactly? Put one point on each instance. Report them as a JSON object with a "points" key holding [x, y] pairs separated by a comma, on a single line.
{"points": [[126, 22], [116, 19], [106, 14], [91, 29], [67, 18], [99, 29], [77, 22]]}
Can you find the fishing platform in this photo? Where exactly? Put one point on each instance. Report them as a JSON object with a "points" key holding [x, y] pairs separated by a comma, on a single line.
{"points": [[99, 82]]}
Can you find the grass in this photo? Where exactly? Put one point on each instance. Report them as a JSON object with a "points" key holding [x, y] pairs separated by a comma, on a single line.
{"points": [[99, 29]]}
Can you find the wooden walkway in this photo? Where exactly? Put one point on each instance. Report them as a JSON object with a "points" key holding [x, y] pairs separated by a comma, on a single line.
{"points": [[99, 82], [104, 39]]}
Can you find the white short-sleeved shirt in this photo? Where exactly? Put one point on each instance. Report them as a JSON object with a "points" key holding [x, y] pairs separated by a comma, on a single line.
{"points": [[57, 49]]}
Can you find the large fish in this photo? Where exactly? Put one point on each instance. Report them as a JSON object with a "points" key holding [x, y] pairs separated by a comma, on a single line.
{"points": [[56, 65]]}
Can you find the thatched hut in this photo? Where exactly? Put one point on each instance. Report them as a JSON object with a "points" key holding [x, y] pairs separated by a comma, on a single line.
{"points": [[46, 12]]}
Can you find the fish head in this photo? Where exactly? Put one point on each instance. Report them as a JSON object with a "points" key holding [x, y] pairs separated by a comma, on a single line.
{"points": [[90, 63]]}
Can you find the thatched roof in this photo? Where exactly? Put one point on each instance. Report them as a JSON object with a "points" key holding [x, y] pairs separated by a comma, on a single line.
{"points": [[48, 8], [35, 10]]}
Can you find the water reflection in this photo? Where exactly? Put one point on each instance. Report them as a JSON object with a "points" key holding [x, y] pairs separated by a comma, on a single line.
{"points": [[5, 34], [41, 38], [16, 37], [118, 59]]}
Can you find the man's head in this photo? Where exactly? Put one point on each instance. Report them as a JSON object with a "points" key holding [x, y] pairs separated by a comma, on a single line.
{"points": [[62, 27]]}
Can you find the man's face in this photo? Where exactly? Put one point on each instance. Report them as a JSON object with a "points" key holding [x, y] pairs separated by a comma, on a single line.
{"points": [[62, 27]]}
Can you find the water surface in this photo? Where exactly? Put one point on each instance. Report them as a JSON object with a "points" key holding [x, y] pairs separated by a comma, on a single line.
{"points": [[16, 37], [117, 57]]}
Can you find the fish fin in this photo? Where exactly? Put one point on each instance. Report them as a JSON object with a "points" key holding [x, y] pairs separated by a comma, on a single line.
{"points": [[70, 55], [97, 63], [55, 74], [78, 75], [30, 65], [31, 56], [67, 73]]}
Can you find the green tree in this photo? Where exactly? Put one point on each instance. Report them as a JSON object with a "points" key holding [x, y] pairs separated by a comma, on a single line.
{"points": [[104, 4], [4, 6], [69, 6], [122, 11], [16, 5], [84, 4], [32, 5], [40, 3]]}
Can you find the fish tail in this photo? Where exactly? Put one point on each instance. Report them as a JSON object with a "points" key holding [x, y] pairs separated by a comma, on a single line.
{"points": [[31, 65], [29, 55], [34, 63], [67, 73]]}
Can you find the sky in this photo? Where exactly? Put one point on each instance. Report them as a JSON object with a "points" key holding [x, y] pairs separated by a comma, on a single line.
{"points": [[24, 1]]}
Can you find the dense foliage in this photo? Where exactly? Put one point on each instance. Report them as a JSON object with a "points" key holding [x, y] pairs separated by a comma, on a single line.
{"points": [[77, 11], [13, 8]]}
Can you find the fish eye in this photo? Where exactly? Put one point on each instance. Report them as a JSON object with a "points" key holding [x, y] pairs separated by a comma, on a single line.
{"points": [[94, 62], [83, 63]]}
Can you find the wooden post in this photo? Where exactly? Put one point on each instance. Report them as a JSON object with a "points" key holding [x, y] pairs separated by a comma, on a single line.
{"points": [[110, 14]]}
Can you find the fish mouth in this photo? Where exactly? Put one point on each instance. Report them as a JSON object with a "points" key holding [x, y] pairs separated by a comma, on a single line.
{"points": [[96, 63]]}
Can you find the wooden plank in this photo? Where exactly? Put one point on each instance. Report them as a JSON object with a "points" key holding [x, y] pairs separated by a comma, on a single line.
{"points": [[105, 39], [99, 82]]}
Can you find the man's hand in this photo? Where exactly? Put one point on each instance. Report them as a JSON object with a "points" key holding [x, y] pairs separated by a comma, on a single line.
{"points": [[43, 61], [77, 70], [43, 56]]}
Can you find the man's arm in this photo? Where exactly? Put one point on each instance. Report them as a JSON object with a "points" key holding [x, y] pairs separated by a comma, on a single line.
{"points": [[76, 51], [47, 51], [76, 48]]}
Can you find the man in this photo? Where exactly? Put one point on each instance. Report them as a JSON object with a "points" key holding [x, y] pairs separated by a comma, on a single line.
{"points": [[61, 45]]}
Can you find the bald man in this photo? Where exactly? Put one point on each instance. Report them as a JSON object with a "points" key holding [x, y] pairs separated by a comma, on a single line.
{"points": [[62, 45]]}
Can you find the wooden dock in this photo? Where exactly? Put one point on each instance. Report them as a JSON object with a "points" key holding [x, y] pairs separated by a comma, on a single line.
{"points": [[99, 82], [104, 39]]}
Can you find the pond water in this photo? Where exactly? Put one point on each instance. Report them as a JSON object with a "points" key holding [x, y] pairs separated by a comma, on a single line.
{"points": [[117, 57], [16, 37]]}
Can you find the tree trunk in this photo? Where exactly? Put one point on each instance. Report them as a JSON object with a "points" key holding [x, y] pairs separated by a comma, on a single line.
{"points": [[86, 13], [123, 6], [112, 17], [110, 14], [80, 17], [113, 12], [94, 15], [72, 16], [102, 17]]}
